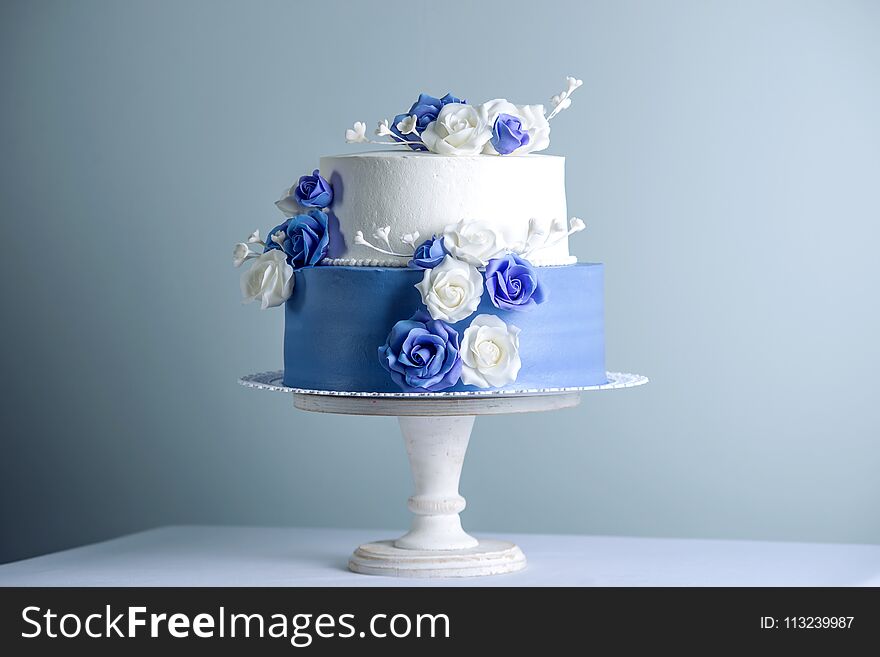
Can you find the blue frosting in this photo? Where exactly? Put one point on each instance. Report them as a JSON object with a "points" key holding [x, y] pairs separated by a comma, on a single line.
{"points": [[338, 317]]}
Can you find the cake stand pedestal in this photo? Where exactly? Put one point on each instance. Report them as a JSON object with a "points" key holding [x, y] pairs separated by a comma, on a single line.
{"points": [[436, 429]]}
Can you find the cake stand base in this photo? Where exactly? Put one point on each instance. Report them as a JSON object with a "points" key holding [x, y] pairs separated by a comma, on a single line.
{"points": [[489, 557]]}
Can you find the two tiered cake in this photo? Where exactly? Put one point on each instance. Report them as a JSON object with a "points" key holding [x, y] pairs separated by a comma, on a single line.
{"points": [[440, 267]]}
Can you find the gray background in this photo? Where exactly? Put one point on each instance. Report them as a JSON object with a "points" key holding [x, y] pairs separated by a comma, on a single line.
{"points": [[725, 155]]}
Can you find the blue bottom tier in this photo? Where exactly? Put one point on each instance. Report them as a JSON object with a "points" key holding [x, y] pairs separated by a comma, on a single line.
{"points": [[338, 317]]}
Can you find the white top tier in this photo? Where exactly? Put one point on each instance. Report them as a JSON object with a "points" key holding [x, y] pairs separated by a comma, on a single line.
{"points": [[425, 192]]}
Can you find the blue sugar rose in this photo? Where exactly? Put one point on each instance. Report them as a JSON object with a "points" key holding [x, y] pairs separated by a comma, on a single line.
{"points": [[422, 354], [426, 109], [428, 254], [507, 134], [313, 191], [512, 283], [304, 238]]}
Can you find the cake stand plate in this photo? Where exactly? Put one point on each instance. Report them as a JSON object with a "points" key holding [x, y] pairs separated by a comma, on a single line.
{"points": [[436, 429]]}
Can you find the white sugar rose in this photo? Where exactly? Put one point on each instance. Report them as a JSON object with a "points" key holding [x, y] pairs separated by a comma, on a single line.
{"points": [[489, 353], [458, 130], [473, 241], [451, 291], [531, 116], [269, 281]]}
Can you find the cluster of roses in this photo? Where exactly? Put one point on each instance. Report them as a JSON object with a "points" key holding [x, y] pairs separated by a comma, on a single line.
{"points": [[299, 241], [449, 126], [425, 353]]}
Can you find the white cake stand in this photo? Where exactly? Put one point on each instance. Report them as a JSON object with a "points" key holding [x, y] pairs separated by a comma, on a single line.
{"points": [[436, 429]]}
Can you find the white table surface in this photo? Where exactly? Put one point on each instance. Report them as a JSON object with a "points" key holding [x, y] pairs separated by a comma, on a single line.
{"points": [[260, 556]]}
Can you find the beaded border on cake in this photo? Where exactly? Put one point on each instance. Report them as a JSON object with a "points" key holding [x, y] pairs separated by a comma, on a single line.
{"points": [[375, 262]]}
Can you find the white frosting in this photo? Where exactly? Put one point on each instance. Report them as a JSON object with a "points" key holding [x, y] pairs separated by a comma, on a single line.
{"points": [[426, 192]]}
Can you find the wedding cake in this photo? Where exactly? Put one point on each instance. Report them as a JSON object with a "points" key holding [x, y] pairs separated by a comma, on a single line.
{"points": [[438, 265]]}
